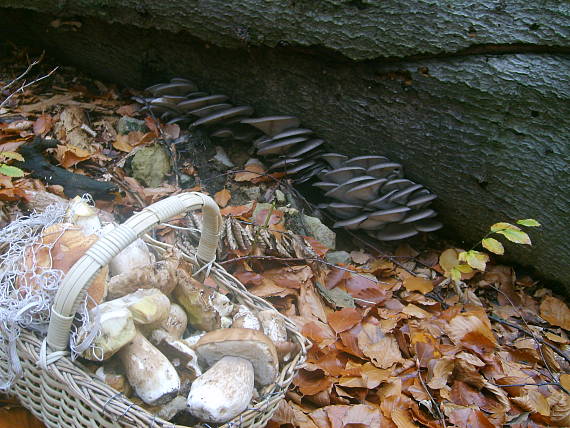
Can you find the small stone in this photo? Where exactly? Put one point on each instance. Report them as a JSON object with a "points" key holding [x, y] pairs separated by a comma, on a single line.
{"points": [[253, 193], [128, 124], [280, 196], [319, 231], [337, 257], [187, 180], [150, 165], [221, 160]]}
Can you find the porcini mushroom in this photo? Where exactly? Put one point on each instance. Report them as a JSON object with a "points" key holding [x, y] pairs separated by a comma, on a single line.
{"points": [[134, 256], [149, 372], [238, 358]]}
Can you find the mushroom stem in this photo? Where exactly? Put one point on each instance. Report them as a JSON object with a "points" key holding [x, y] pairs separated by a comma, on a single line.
{"points": [[222, 392], [149, 372]]}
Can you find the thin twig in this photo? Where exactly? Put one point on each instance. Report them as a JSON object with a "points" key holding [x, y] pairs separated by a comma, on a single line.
{"points": [[526, 384], [23, 87], [529, 333], [429, 393], [21, 76], [528, 328]]}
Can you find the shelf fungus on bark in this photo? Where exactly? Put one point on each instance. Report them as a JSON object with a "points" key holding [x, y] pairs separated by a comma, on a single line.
{"points": [[367, 192], [238, 359]]}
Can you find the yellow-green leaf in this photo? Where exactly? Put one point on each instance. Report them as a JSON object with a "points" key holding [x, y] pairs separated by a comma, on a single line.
{"points": [[11, 171], [503, 226], [464, 268], [12, 155], [448, 259], [493, 245], [529, 222], [516, 236], [477, 260], [455, 274]]}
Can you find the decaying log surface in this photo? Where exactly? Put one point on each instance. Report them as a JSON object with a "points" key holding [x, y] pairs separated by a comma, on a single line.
{"points": [[356, 29], [480, 118], [73, 184]]}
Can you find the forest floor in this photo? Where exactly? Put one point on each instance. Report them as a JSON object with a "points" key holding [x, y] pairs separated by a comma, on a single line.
{"points": [[402, 337]]}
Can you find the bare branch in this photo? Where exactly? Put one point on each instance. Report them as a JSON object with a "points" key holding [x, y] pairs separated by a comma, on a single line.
{"points": [[26, 85], [21, 76]]}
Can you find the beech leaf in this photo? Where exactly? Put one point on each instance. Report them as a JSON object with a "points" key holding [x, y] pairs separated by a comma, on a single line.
{"points": [[476, 259], [222, 197], [556, 312], [417, 283], [528, 222], [516, 236], [503, 226], [493, 246], [11, 171], [449, 259], [12, 155]]}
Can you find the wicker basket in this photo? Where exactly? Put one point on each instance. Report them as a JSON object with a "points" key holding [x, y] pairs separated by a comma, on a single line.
{"points": [[63, 394]]}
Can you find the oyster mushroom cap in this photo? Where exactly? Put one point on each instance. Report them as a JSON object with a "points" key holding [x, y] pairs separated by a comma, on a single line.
{"points": [[251, 345], [273, 125]]}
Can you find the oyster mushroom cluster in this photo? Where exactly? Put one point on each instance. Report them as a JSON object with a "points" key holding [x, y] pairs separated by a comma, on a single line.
{"points": [[165, 340], [370, 193], [367, 193]]}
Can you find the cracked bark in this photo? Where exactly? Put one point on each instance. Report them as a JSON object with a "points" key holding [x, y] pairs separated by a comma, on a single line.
{"points": [[482, 125]]}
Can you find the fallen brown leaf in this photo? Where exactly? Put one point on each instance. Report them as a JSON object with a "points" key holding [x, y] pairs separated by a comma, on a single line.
{"points": [[69, 156], [43, 124], [472, 329], [383, 350], [344, 319], [439, 372], [556, 312], [416, 283], [222, 197], [312, 382], [533, 401]]}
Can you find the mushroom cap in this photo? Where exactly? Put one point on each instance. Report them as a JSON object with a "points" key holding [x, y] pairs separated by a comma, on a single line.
{"points": [[175, 88], [428, 225], [334, 159], [307, 147], [206, 110], [273, 125], [366, 161], [196, 103], [249, 344], [223, 115], [292, 133], [279, 146], [385, 170]]}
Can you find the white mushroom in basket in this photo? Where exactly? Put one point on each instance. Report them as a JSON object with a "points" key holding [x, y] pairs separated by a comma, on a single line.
{"points": [[117, 319], [238, 358], [135, 255], [149, 372], [244, 318]]}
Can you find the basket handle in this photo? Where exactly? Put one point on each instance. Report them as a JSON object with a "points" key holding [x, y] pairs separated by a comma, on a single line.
{"points": [[67, 298]]}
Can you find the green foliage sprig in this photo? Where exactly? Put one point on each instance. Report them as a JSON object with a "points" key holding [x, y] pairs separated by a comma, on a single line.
{"points": [[8, 170], [455, 262]]}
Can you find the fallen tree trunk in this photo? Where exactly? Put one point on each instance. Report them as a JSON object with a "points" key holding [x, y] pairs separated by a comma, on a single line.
{"points": [[484, 129]]}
